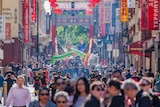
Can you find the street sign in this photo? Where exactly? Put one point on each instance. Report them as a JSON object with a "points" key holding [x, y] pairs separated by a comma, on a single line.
{"points": [[131, 3], [109, 47], [115, 53], [2, 27]]}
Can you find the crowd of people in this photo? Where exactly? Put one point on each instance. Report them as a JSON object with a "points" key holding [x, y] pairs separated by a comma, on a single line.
{"points": [[68, 83]]}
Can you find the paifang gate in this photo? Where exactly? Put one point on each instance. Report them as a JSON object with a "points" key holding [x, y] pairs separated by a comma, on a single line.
{"points": [[74, 13]]}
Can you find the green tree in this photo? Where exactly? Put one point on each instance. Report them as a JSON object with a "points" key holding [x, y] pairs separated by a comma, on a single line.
{"points": [[72, 35]]}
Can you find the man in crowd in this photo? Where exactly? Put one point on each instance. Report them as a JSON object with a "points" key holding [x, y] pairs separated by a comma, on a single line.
{"points": [[19, 96], [1, 86], [11, 79], [133, 92]]}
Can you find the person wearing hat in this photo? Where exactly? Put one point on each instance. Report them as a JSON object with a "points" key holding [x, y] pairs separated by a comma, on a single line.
{"points": [[19, 95]]}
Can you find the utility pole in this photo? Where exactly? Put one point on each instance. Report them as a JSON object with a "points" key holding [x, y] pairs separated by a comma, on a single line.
{"points": [[37, 36]]}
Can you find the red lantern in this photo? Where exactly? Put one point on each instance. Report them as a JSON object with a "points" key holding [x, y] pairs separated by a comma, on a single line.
{"points": [[54, 5], [52, 1], [95, 1], [58, 11], [89, 12], [91, 5], [34, 17]]}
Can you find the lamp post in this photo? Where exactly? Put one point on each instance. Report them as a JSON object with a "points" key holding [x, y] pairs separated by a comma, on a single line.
{"points": [[37, 35]]}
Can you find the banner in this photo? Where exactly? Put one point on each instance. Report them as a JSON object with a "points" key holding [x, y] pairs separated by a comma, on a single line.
{"points": [[107, 11], [11, 10], [8, 31], [124, 11], [2, 27], [102, 18], [67, 54], [131, 3], [118, 23], [153, 14], [26, 21], [144, 17]]}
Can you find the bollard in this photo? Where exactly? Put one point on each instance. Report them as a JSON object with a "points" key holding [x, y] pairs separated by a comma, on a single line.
{"points": [[5, 91]]}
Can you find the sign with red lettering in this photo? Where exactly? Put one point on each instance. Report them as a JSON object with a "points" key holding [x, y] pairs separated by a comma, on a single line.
{"points": [[144, 15], [26, 21], [8, 31], [34, 10], [153, 14], [124, 11]]}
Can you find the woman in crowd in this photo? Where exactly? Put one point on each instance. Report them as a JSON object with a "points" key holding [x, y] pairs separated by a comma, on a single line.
{"points": [[82, 90], [60, 84], [94, 99], [61, 98], [146, 84], [43, 99], [114, 89], [36, 83]]}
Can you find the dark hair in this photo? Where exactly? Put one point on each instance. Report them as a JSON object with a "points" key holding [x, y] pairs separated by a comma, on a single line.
{"points": [[115, 82], [117, 71], [43, 89], [86, 83], [95, 84], [69, 90], [57, 78]]}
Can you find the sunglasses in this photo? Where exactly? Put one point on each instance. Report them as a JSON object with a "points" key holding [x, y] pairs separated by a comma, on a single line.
{"points": [[44, 94], [143, 85], [62, 83], [61, 102], [100, 89]]}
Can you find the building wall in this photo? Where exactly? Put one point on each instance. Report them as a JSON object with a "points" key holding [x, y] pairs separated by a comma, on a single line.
{"points": [[13, 45], [13, 52]]}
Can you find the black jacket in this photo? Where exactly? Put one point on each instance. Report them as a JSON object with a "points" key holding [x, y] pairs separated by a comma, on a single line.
{"points": [[92, 102], [143, 100], [117, 101]]}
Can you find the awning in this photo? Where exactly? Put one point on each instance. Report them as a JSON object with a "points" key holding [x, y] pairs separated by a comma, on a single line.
{"points": [[136, 48]]}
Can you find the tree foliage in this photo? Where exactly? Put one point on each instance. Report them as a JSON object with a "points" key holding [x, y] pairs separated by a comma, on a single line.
{"points": [[72, 35]]}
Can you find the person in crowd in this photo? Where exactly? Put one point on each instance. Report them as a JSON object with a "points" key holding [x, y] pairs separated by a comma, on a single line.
{"points": [[61, 98], [150, 74], [96, 93], [1, 86], [60, 74], [52, 86], [60, 84], [128, 74], [146, 84], [114, 89], [138, 98], [11, 79], [19, 96], [36, 83], [117, 74], [70, 90], [135, 76], [43, 78], [132, 69], [10, 71], [43, 99], [82, 91]]}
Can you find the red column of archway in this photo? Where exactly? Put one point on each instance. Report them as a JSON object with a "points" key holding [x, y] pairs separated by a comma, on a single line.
{"points": [[54, 33], [91, 31]]}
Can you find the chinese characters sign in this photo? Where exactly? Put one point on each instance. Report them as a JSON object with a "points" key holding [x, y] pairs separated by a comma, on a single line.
{"points": [[144, 15], [26, 21], [124, 11], [153, 14], [11, 12], [2, 27], [107, 11]]}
